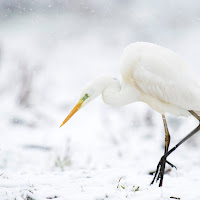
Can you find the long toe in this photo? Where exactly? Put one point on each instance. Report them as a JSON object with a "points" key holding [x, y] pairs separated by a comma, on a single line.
{"points": [[173, 166], [160, 170], [156, 173]]}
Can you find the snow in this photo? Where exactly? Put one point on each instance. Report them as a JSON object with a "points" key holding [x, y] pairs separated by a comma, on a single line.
{"points": [[102, 152]]}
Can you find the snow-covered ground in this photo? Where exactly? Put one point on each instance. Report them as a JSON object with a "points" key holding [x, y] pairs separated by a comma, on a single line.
{"points": [[102, 152]]}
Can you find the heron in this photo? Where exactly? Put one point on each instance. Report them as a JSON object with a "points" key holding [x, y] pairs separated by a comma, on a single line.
{"points": [[156, 76]]}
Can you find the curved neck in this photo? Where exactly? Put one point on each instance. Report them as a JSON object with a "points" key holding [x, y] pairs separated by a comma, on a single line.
{"points": [[117, 94]]}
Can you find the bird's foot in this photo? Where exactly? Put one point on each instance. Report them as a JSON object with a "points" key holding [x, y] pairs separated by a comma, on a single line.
{"points": [[159, 173]]}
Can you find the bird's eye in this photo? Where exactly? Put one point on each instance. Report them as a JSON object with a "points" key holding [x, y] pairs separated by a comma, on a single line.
{"points": [[85, 97]]}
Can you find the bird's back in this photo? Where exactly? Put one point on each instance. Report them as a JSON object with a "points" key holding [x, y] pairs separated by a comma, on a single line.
{"points": [[155, 58], [160, 74]]}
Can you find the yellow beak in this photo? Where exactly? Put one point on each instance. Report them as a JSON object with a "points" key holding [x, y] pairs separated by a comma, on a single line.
{"points": [[74, 110]]}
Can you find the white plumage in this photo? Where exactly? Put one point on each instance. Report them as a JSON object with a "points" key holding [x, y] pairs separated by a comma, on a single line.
{"points": [[151, 74], [154, 75], [164, 80]]}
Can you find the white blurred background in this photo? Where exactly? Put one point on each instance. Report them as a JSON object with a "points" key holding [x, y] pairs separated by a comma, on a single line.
{"points": [[50, 49]]}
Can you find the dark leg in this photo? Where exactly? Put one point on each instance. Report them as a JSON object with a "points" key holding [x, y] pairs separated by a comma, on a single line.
{"points": [[167, 141], [161, 165], [195, 115], [175, 147]]}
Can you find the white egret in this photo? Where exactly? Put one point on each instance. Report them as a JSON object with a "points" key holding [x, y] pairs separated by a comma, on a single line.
{"points": [[154, 75]]}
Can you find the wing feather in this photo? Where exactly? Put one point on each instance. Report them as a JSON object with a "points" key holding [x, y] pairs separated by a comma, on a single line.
{"points": [[160, 73], [167, 87]]}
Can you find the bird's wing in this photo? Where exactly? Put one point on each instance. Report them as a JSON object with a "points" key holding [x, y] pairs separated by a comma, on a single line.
{"points": [[168, 84]]}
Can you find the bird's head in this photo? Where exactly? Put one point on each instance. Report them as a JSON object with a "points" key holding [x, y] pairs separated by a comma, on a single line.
{"points": [[90, 92]]}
